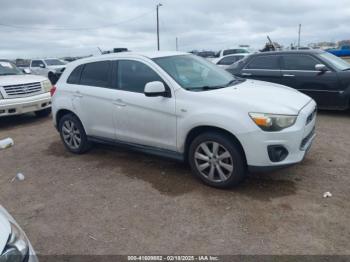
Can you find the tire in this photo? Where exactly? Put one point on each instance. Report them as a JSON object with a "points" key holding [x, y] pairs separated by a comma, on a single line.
{"points": [[43, 113], [53, 78], [73, 134], [225, 168]]}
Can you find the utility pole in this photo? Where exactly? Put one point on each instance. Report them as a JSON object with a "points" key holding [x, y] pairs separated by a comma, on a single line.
{"points": [[299, 36], [177, 45], [158, 5]]}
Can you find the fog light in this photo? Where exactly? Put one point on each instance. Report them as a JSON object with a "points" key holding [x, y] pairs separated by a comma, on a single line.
{"points": [[277, 153]]}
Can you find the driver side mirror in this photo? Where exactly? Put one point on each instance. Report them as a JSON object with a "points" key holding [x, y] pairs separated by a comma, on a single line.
{"points": [[155, 88], [321, 68], [42, 66]]}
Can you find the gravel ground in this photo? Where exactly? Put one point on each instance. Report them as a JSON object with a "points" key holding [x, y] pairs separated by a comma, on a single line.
{"points": [[113, 201]]}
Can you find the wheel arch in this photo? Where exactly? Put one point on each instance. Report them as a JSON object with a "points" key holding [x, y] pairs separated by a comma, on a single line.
{"points": [[62, 112], [196, 131]]}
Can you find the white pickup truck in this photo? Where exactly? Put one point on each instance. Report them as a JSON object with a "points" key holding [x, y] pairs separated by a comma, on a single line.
{"points": [[23, 93], [51, 68]]}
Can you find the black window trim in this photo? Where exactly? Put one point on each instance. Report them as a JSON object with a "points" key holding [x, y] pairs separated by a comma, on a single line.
{"points": [[115, 76], [257, 56]]}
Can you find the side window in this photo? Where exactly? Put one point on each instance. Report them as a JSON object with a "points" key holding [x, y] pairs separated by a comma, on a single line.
{"points": [[270, 62], [134, 75], [227, 60], [96, 74], [299, 62], [74, 77], [37, 63]]}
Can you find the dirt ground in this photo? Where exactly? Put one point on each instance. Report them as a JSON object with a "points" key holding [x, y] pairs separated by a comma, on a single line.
{"points": [[112, 201]]}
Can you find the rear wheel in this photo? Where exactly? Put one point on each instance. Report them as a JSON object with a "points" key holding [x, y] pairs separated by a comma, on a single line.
{"points": [[217, 160], [73, 134]]}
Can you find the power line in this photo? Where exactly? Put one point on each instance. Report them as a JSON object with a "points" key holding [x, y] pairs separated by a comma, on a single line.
{"points": [[75, 28]]}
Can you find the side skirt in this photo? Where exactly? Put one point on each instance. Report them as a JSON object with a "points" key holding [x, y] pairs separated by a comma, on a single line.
{"points": [[140, 148]]}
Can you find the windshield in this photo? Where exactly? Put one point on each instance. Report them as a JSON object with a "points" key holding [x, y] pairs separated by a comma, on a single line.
{"points": [[7, 68], [53, 62], [335, 61], [194, 73]]}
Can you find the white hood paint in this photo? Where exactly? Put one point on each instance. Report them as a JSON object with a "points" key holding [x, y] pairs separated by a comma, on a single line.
{"points": [[20, 79], [5, 229], [259, 96]]}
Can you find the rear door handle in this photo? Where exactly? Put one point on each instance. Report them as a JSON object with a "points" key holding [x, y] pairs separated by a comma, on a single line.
{"points": [[288, 75], [246, 74], [78, 94], [119, 102]]}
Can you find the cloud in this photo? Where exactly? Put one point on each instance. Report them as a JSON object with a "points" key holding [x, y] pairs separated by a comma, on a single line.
{"points": [[199, 24]]}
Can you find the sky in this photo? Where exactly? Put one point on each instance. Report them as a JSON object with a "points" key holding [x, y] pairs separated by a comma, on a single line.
{"points": [[50, 28]]}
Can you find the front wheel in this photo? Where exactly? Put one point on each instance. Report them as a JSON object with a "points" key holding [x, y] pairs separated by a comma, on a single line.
{"points": [[217, 160], [73, 134]]}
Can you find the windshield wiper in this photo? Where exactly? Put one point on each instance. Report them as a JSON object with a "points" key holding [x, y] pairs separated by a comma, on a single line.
{"points": [[204, 88], [236, 80], [346, 69]]}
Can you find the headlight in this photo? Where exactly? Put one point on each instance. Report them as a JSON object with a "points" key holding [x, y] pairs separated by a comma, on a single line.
{"points": [[16, 248], [47, 85], [273, 122]]}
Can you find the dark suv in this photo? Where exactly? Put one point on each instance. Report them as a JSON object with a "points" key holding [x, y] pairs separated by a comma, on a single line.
{"points": [[321, 75]]}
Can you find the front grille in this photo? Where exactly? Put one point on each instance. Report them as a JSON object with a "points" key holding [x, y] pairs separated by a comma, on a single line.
{"points": [[22, 89], [311, 116], [306, 139]]}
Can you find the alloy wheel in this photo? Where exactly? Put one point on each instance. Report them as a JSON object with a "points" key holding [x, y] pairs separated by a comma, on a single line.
{"points": [[213, 161], [71, 134]]}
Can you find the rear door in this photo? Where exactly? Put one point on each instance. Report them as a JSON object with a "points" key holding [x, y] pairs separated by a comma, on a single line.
{"points": [[298, 71], [93, 98], [264, 67]]}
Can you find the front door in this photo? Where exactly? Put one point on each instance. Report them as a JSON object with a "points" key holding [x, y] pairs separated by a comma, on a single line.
{"points": [[143, 120], [298, 71], [93, 97]]}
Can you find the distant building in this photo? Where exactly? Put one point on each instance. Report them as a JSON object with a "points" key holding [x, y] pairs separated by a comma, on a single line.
{"points": [[322, 45]]}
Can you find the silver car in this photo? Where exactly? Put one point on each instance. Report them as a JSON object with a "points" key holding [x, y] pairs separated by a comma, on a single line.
{"points": [[14, 244]]}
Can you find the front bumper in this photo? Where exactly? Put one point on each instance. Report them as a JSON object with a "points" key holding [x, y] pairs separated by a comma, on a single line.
{"points": [[297, 140], [16, 106], [31, 257]]}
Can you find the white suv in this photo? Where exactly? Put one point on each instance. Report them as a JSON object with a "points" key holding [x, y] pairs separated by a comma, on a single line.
{"points": [[51, 68], [179, 105], [22, 93]]}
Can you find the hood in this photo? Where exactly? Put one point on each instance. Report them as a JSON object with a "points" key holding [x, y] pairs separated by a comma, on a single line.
{"points": [[5, 229], [260, 96], [20, 79]]}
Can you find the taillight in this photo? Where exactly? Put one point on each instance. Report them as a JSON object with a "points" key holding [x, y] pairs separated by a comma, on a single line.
{"points": [[53, 90]]}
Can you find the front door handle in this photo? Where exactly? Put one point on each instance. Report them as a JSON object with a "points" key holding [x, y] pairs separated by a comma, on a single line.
{"points": [[246, 74], [288, 75], [119, 102]]}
